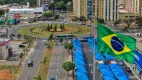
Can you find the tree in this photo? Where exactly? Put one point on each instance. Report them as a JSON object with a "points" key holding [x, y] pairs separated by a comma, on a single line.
{"points": [[21, 55], [68, 46], [139, 21], [101, 21], [19, 36], [50, 37], [62, 27], [128, 22], [68, 66], [56, 17], [82, 19], [51, 26], [55, 28], [48, 14], [116, 22], [51, 6], [37, 77], [48, 28], [60, 5]]}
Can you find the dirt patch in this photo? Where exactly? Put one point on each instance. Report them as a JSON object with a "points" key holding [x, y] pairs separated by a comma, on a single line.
{"points": [[5, 74]]}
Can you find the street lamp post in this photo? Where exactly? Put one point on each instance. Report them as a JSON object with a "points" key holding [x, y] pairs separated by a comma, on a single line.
{"points": [[52, 6]]}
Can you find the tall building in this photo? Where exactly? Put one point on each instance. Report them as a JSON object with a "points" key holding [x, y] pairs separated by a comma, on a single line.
{"points": [[140, 8], [132, 6], [110, 10], [76, 7], [89, 9], [106, 9], [43, 2], [99, 8], [83, 8]]}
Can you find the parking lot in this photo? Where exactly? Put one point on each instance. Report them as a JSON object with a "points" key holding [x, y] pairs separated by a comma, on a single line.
{"points": [[15, 50]]}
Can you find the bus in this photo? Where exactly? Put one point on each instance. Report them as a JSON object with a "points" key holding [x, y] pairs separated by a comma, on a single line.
{"points": [[64, 36]]}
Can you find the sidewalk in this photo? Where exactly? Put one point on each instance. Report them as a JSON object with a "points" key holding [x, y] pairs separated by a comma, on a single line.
{"points": [[28, 54], [70, 72]]}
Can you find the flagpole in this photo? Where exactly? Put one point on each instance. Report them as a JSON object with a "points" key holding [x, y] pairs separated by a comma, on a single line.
{"points": [[94, 60]]}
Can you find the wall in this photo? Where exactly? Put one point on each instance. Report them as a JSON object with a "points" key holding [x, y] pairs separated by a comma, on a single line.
{"points": [[9, 63]]}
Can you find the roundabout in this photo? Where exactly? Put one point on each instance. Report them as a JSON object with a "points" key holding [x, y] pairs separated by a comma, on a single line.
{"points": [[44, 31]]}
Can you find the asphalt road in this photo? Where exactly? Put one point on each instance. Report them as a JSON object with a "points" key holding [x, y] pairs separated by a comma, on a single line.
{"points": [[55, 69], [28, 73], [88, 59]]}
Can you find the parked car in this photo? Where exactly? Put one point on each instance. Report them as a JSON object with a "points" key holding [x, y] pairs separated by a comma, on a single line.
{"points": [[30, 63]]}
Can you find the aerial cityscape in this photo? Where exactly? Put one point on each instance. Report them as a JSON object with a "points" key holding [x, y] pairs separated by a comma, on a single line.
{"points": [[70, 39]]}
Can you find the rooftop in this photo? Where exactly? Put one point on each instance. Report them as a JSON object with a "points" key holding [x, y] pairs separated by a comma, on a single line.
{"points": [[4, 41]]}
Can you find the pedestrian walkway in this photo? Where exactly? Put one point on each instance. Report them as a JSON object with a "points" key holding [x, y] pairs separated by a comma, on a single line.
{"points": [[58, 58], [88, 59]]}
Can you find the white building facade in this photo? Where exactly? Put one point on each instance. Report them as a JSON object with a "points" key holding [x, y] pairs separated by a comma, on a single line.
{"points": [[4, 46], [111, 12]]}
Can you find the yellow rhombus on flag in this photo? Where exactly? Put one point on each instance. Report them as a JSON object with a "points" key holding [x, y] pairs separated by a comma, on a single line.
{"points": [[118, 45]]}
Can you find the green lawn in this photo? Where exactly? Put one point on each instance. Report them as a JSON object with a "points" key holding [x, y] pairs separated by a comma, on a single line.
{"points": [[43, 33]]}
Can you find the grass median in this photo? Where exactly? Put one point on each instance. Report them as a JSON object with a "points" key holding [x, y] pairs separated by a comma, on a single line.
{"points": [[43, 70]]}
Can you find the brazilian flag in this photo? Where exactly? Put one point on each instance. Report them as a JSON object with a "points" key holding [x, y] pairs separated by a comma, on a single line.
{"points": [[118, 45]]}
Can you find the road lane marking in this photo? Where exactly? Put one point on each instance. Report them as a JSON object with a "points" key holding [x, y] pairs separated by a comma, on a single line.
{"points": [[89, 64], [29, 72], [91, 71], [56, 76], [26, 78]]}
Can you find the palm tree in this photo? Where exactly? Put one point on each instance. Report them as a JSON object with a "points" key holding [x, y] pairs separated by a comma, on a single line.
{"points": [[38, 77]]}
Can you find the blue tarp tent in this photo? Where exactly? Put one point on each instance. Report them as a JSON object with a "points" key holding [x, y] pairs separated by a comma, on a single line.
{"points": [[115, 66], [79, 61], [108, 78], [82, 77], [120, 74], [81, 68], [79, 57], [123, 78], [78, 54], [109, 57], [103, 66], [117, 71], [106, 72], [99, 56]]}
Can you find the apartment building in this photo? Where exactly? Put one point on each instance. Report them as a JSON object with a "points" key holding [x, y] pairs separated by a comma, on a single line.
{"points": [[140, 8], [111, 10], [76, 8], [132, 6], [99, 8], [83, 8], [89, 9]]}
